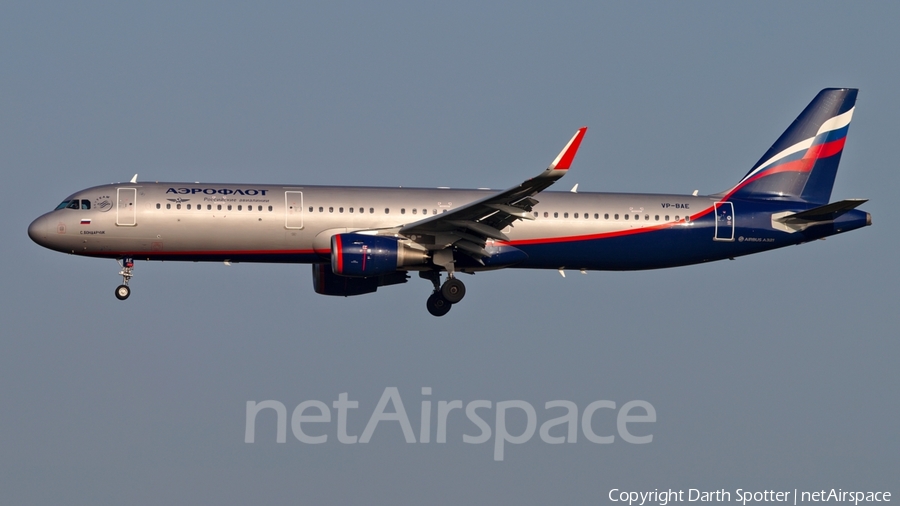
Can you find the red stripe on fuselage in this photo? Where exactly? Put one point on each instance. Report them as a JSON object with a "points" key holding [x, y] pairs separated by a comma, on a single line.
{"points": [[223, 253], [607, 235]]}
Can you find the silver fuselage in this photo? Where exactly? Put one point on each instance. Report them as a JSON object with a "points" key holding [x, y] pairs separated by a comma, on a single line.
{"points": [[294, 224]]}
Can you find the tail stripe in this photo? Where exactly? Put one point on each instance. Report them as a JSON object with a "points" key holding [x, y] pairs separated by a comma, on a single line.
{"points": [[831, 131], [803, 162]]}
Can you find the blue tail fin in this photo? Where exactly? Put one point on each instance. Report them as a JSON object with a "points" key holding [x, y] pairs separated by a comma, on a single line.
{"points": [[803, 162]]}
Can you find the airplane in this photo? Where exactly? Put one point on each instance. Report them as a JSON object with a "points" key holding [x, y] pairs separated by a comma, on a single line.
{"points": [[359, 239]]}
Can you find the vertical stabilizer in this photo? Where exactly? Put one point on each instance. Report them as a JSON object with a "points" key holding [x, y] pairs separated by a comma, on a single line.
{"points": [[803, 162]]}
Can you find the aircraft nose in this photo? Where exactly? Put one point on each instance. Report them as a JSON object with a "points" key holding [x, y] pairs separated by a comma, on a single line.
{"points": [[38, 231]]}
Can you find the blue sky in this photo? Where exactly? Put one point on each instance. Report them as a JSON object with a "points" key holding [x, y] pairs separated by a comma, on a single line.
{"points": [[774, 371]]}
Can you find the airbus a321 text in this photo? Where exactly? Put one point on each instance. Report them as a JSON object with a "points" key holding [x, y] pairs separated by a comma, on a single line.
{"points": [[359, 239]]}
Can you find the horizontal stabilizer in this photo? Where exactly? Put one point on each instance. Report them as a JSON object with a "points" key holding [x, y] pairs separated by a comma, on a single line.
{"points": [[828, 212]]}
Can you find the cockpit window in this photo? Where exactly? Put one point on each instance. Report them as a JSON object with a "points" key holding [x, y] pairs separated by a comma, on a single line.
{"points": [[74, 204]]}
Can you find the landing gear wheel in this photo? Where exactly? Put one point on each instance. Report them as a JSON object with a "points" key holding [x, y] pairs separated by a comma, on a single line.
{"points": [[122, 292], [453, 290], [437, 305]]}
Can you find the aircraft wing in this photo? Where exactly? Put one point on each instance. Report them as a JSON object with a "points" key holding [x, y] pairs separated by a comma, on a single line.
{"points": [[468, 227]]}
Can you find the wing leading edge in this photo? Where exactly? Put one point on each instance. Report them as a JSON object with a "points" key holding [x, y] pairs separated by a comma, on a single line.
{"points": [[467, 228]]}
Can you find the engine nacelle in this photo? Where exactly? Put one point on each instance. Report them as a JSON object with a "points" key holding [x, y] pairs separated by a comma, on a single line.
{"points": [[326, 282], [363, 256]]}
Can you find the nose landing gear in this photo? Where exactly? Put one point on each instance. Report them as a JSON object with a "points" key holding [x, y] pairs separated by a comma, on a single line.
{"points": [[127, 272], [444, 296]]}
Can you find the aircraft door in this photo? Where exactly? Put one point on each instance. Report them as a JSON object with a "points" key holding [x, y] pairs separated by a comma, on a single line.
{"points": [[126, 207], [724, 221], [293, 210]]}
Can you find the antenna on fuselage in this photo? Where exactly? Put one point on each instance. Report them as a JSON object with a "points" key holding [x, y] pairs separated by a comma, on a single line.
{"points": [[133, 179], [574, 188]]}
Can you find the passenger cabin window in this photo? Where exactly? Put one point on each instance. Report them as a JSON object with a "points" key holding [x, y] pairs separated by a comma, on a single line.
{"points": [[371, 210], [556, 215], [627, 216], [218, 207], [402, 210], [546, 214], [157, 205], [168, 206], [667, 217], [270, 209], [387, 211], [606, 216], [617, 216], [656, 217], [188, 206], [229, 207], [177, 206]]}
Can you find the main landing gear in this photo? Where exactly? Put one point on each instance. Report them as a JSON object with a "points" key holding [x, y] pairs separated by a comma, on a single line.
{"points": [[444, 296], [127, 272]]}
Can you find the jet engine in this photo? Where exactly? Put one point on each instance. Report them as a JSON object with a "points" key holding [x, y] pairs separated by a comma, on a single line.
{"points": [[326, 282], [363, 256]]}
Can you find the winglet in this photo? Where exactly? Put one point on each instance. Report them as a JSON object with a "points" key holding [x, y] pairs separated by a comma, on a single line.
{"points": [[564, 159]]}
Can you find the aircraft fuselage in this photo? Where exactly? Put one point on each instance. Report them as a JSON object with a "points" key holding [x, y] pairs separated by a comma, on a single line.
{"points": [[294, 224]]}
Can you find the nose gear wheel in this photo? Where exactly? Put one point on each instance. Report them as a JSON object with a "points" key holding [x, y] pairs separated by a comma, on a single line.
{"points": [[127, 272]]}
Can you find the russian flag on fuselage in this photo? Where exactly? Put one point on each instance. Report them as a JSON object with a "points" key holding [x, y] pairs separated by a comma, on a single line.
{"points": [[803, 162]]}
